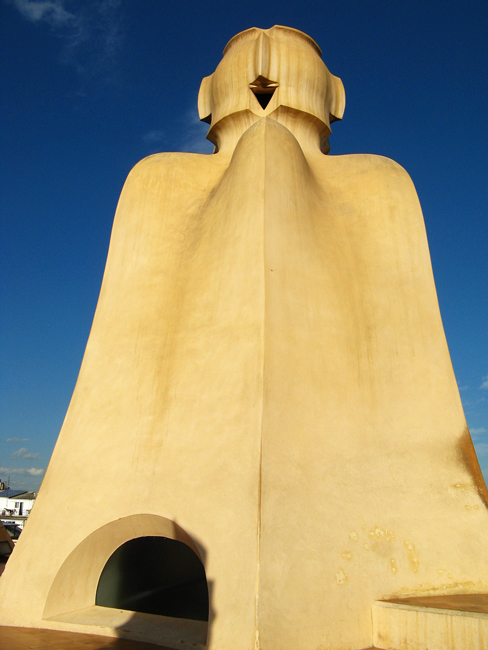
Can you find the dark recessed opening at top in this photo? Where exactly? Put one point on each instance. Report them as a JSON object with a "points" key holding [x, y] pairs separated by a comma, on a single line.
{"points": [[264, 98], [155, 575], [263, 90]]}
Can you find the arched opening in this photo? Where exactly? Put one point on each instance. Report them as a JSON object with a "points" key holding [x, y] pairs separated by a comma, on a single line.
{"points": [[155, 575], [151, 587]]}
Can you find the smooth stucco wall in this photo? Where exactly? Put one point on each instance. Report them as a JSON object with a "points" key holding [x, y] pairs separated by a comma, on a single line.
{"points": [[267, 368]]}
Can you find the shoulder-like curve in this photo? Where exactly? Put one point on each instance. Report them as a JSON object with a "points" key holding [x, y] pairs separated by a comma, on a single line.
{"points": [[374, 170], [371, 161], [169, 158]]}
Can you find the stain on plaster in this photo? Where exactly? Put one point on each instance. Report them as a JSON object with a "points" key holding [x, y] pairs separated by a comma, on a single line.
{"points": [[341, 577], [382, 534], [412, 556]]}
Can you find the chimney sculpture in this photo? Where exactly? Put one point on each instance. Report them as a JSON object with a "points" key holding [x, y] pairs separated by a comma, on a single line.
{"points": [[267, 357]]}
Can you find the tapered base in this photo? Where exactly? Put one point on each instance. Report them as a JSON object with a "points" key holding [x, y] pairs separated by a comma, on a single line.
{"points": [[266, 381]]}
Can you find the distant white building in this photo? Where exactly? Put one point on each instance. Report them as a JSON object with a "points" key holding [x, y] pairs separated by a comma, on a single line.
{"points": [[15, 506]]}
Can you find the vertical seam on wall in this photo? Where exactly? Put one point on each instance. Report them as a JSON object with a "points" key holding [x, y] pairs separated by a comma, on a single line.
{"points": [[257, 644]]}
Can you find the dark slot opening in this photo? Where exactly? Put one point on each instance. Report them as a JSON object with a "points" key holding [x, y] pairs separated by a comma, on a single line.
{"points": [[263, 90], [263, 97]]}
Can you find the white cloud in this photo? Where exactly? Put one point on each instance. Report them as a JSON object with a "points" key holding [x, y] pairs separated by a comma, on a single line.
{"points": [[109, 18], [24, 453], [16, 439], [193, 134], [189, 136], [154, 136], [52, 12], [478, 431], [484, 383], [33, 471], [482, 449], [91, 30]]}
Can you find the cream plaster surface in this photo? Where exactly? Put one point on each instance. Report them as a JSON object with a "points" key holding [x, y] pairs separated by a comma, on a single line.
{"points": [[416, 627], [268, 359], [104, 621]]}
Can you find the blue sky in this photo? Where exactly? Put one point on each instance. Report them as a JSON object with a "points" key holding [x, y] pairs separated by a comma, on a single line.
{"points": [[91, 87]]}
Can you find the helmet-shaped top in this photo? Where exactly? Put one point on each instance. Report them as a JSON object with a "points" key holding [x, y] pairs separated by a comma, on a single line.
{"points": [[270, 72]]}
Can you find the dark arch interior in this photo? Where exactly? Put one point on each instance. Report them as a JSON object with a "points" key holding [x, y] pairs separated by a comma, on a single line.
{"points": [[155, 575]]}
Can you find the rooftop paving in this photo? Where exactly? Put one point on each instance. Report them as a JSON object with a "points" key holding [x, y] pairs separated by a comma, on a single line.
{"points": [[22, 638]]}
